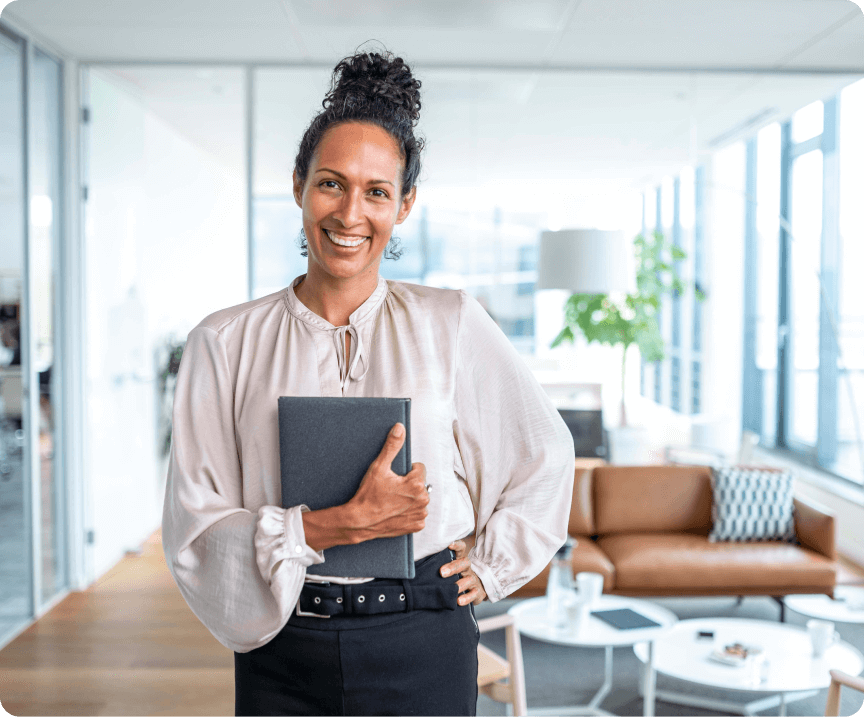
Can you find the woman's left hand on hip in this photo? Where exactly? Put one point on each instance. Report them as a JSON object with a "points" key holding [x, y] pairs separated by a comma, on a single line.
{"points": [[470, 587]]}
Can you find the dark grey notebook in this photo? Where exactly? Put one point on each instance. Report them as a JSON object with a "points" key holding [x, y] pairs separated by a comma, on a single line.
{"points": [[326, 445], [625, 619]]}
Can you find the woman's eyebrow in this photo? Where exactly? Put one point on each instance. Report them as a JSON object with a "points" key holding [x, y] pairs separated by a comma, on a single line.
{"points": [[342, 176]]}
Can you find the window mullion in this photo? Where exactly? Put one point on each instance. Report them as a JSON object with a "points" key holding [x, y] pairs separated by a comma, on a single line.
{"points": [[783, 355], [826, 445]]}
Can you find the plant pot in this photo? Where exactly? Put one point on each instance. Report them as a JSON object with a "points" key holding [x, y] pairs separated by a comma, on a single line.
{"points": [[630, 446]]}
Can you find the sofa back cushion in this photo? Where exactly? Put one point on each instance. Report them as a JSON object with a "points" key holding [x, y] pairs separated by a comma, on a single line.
{"points": [[582, 507], [652, 499]]}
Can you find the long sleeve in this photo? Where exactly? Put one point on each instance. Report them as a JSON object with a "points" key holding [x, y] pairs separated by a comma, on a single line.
{"points": [[516, 455], [224, 557]]}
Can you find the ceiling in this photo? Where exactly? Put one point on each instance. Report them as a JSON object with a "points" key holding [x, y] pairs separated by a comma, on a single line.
{"points": [[534, 96]]}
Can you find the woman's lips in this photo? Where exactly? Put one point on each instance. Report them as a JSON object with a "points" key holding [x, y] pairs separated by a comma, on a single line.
{"points": [[346, 241]]}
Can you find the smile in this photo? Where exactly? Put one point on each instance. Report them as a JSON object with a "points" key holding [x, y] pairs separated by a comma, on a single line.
{"points": [[344, 241]]}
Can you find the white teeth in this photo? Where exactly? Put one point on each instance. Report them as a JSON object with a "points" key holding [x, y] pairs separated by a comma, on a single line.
{"points": [[336, 239]]}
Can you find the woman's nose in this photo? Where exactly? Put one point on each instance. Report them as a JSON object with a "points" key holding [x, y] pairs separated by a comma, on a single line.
{"points": [[350, 210]]}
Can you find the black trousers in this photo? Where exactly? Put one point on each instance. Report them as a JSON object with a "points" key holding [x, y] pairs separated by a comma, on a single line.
{"points": [[422, 662]]}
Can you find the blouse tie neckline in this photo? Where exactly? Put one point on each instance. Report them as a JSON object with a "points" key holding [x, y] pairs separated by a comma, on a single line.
{"points": [[357, 351]]}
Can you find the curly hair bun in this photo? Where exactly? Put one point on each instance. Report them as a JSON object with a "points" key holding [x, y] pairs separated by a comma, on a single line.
{"points": [[372, 78]]}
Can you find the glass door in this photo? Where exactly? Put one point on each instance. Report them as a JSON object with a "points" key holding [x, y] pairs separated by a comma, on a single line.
{"points": [[16, 562]]}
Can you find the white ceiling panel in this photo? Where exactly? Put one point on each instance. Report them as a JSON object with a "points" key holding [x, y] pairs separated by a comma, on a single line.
{"points": [[477, 15], [695, 33], [138, 14], [111, 44], [844, 47], [429, 44]]}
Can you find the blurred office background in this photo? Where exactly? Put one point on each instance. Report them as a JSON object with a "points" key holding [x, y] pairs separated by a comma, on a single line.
{"points": [[145, 181]]}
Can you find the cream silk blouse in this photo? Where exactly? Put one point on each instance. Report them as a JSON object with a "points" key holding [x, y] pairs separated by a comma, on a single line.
{"points": [[491, 440]]}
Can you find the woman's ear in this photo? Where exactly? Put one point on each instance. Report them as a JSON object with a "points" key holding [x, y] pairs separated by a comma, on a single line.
{"points": [[407, 203], [298, 189]]}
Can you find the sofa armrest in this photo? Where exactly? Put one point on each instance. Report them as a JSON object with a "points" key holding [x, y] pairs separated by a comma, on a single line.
{"points": [[814, 527]]}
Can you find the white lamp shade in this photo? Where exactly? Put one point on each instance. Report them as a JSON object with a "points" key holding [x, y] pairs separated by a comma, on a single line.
{"points": [[586, 261]]}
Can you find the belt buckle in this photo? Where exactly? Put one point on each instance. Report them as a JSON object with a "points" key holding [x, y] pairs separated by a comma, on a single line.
{"points": [[300, 613]]}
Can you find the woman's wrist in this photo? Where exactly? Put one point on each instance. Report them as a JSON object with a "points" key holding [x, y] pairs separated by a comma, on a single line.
{"points": [[330, 526]]}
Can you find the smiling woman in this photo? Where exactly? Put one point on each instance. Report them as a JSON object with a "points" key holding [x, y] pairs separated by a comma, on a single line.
{"points": [[351, 201], [497, 459]]}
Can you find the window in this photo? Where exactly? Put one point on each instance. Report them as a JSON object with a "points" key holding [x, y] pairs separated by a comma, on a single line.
{"points": [[850, 364], [675, 209], [698, 254], [804, 299], [802, 384]]}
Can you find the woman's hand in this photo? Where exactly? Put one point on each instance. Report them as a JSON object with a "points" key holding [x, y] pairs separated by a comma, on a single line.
{"points": [[384, 506], [470, 587]]}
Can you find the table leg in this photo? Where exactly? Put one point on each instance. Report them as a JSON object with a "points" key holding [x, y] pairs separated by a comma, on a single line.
{"points": [[782, 712], [607, 681], [649, 684]]}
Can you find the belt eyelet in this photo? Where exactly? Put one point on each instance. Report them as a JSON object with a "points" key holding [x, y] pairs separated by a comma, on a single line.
{"points": [[380, 598], [402, 597], [339, 600], [362, 598], [317, 600]]}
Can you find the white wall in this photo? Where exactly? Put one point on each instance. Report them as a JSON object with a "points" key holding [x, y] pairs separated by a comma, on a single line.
{"points": [[165, 243]]}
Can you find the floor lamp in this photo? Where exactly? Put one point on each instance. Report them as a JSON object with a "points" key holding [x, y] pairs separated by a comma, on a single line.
{"points": [[587, 261]]}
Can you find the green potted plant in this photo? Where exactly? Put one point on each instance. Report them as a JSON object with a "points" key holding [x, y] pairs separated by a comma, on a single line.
{"points": [[170, 352], [633, 318]]}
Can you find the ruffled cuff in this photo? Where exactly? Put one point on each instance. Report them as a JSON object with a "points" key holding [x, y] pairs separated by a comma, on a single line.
{"points": [[490, 583], [279, 536]]}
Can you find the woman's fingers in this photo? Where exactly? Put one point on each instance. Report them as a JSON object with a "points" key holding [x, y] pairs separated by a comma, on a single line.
{"points": [[459, 547], [470, 596], [460, 565]]}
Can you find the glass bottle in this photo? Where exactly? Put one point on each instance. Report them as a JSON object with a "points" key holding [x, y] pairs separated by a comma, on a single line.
{"points": [[560, 585]]}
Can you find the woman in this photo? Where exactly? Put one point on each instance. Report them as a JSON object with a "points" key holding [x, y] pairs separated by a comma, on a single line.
{"points": [[494, 456]]}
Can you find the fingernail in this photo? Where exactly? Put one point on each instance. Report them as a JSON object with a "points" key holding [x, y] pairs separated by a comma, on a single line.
{"points": [[398, 430], [445, 573]]}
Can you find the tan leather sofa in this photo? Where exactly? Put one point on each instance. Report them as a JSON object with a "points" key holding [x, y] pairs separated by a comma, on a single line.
{"points": [[645, 529]]}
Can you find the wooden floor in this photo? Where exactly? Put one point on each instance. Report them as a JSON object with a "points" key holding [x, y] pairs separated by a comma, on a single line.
{"points": [[128, 645]]}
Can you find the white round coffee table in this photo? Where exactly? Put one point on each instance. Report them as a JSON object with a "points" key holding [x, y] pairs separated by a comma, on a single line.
{"points": [[789, 671], [532, 621], [847, 605]]}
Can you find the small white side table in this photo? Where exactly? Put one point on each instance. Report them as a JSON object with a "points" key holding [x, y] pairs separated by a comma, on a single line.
{"points": [[847, 605], [533, 622], [790, 671]]}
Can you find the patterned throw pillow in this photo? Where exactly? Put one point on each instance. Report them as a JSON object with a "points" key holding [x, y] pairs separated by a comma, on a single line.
{"points": [[751, 505]]}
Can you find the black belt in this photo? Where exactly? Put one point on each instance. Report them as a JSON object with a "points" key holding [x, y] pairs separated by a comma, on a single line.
{"points": [[325, 600]]}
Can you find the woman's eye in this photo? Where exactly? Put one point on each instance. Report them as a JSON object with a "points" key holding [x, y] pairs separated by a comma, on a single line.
{"points": [[329, 183], [381, 193]]}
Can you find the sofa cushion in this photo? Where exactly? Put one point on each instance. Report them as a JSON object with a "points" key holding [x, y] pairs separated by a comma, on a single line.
{"points": [[587, 557], [751, 504], [652, 499], [668, 561]]}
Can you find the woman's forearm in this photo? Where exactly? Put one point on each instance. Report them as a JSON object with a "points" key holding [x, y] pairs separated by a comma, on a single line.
{"points": [[331, 526]]}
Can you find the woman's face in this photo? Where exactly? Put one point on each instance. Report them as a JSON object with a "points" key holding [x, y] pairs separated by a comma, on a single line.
{"points": [[351, 200]]}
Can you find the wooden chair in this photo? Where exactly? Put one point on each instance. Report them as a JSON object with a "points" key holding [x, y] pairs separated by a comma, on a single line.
{"points": [[838, 680], [493, 669]]}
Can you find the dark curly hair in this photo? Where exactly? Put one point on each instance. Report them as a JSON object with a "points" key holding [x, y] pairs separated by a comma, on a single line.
{"points": [[375, 88]]}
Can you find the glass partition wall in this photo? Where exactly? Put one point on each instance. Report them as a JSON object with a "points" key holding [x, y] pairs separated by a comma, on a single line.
{"points": [[33, 554], [16, 563]]}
